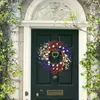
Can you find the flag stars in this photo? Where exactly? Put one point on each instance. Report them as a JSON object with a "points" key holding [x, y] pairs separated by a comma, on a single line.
{"points": [[60, 62], [56, 43], [59, 46], [48, 62], [66, 50], [53, 65], [53, 68], [63, 48], [53, 46], [57, 65]]}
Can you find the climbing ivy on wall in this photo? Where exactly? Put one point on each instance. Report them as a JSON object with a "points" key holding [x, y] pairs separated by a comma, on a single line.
{"points": [[9, 67], [91, 60]]}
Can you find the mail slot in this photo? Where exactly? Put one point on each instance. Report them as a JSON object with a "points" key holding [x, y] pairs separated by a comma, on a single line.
{"points": [[55, 92]]}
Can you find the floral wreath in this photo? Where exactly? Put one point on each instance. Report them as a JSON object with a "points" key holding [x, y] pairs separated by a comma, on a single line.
{"points": [[53, 48]]}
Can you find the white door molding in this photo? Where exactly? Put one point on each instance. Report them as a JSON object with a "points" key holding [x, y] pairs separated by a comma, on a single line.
{"points": [[27, 59], [29, 24]]}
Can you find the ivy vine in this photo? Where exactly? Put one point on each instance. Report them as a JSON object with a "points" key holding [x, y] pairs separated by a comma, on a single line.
{"points": [[91, 61], [9, 67]]}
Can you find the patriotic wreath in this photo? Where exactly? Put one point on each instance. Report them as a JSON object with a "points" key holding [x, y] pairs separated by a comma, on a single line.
{"points": [[54, 49]]}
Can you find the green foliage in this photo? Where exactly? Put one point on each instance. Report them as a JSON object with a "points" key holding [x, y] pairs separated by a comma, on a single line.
{"points": [[91, 61], [9, 67], [70, 17]]}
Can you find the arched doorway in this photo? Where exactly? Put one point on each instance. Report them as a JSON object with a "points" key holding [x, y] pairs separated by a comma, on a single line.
{"points": [[42, 15]]}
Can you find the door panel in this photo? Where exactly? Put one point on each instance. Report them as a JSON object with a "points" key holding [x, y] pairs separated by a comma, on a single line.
{"points": [[41, 73], [67, 79], [67, 40], [42, 80]]}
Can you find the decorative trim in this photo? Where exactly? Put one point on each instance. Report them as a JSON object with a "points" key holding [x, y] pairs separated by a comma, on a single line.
{"points": [[27, 62], [51, 24], [70, 3]]}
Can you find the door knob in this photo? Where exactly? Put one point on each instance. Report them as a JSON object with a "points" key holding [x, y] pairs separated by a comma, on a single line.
{"points": [[37, 94], [26, 93]]}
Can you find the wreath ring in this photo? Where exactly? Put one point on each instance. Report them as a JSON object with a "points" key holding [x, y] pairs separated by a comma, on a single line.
{"points": [[54, 47]]}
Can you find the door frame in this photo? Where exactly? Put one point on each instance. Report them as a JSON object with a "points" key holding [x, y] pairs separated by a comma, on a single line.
{"points": [[28, 25]]}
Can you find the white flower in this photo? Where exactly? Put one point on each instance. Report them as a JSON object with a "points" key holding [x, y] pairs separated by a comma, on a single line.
{"points": [[48, 62], [48, 51], [63, 51], [53, 65], [43, 49], [57, 65], [66, 60], [63, 48], [46, 54], [65, 55], [60, 62], [66, 50], [47, 59], [56, 68], [53, 46], [53, 68], [56, 43]]}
